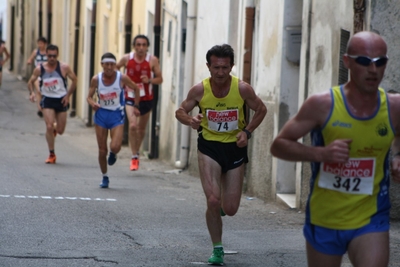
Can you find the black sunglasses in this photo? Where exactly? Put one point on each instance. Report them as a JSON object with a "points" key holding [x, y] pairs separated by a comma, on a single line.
{"points": [[366, 61], [52, 56]]}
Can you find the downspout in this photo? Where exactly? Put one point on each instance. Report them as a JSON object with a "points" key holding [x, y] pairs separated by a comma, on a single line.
{"points": [[248, 46], [40, 18], [92, 50], [308, 5], [128, 45], [12, 43], [49, 16], [188, 79], [154, 125], [76, 51]]}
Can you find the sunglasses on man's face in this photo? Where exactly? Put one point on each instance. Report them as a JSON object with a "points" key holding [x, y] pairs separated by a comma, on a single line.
{"points": [[366, 61], [51, 56]]}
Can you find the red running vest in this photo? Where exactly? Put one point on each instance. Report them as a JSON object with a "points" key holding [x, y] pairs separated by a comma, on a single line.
{"points": [[134, 70]]}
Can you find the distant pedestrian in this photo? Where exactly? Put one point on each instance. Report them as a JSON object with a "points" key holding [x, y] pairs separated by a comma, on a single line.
{"points": [[55, 95], [3, 51], [110, 116]]}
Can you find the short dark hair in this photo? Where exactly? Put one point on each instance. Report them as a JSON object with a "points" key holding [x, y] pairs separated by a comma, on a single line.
{"points": [[108, 55], [52, 48], [42, 39], [140, 36], [220, 51]]}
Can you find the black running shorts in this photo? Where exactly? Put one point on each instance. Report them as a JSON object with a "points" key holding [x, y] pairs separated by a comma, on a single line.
{"points": [[228, 155]]}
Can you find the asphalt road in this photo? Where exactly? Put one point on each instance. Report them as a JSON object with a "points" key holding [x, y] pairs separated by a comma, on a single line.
{"points": [[56, 215]]}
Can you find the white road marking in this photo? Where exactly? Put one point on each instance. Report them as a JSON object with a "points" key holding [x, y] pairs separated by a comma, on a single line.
{"points": [[59, 198]]}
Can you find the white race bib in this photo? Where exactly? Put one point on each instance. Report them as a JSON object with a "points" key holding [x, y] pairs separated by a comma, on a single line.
{"points": [[131, 92], [223, 121], [354, 177], [108, 99], [51, 85]]}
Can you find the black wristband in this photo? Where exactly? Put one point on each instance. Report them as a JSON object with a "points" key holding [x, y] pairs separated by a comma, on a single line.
{"points": [[247, 133], [136, 106]]}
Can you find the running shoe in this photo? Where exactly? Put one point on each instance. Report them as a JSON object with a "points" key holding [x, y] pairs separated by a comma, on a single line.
{"points": [[105, 182], [217, 257], [51, 159], [222, 212], [134, 164], [112, 158]]}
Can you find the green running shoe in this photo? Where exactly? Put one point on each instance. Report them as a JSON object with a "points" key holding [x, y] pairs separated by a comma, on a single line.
{"points": [[217, 257], [222, 212]]}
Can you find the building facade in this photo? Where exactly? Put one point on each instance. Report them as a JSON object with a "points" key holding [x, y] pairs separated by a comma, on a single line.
{"points": [[287, 50]]}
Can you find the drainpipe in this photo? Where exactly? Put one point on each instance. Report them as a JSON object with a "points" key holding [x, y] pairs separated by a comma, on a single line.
{"points": [[188, 79], [49, 15], [76, 51], [40, 18], [12, 43], [92, 50], [248, 46], [128, 45], [154, 125]]}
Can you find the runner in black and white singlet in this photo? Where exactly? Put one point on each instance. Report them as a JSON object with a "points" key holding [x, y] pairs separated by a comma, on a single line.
{"points": [[38, 56], [55, 101], [110, 115]]}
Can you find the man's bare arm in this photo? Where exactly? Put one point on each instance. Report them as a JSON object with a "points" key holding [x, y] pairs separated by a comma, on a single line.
{"points": [[31, 81], [92, 89], [71, 75], [127, 81], [31, 57], [122, 62], [157, 79]]}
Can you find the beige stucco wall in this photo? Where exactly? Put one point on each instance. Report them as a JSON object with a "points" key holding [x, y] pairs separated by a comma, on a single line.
{"points": [[170, 64], [267, 55], [319, 70], [385, 20]]}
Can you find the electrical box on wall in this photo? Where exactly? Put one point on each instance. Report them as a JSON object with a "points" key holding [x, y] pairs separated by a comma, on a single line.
{"points": [[293, 44]]}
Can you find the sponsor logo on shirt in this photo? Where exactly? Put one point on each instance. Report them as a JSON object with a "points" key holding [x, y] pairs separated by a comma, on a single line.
{"points": [[341, 124]]}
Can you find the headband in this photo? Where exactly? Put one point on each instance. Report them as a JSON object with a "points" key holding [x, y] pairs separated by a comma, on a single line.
{"points": [[107, 59]]}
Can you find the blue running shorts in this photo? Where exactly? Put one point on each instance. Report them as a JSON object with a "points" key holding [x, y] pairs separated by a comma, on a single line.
{"points": [[109, 119], [336, 242]]}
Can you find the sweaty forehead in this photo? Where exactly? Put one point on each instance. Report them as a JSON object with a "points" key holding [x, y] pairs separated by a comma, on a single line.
{"points": [[220, 61], [141, 41]]}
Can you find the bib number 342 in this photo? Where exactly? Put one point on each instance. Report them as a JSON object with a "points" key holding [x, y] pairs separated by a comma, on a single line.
{"points": [[353, 177]]}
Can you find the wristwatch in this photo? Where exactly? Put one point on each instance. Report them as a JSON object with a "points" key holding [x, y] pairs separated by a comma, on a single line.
{"points": [[247, 133], [136, 106]]}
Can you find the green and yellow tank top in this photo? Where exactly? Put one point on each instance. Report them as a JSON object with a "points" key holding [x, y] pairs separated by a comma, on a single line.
{"points": [[223, 118], [348, 195]]}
